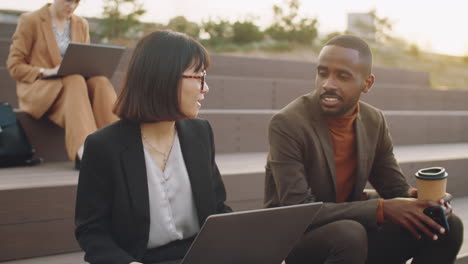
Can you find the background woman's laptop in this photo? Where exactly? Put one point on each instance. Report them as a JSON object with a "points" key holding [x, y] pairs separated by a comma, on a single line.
{"points": [[264, 236], [89, 60]]}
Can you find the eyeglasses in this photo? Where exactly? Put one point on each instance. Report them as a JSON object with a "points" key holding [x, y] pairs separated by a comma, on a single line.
{"points": [[201, 77]]}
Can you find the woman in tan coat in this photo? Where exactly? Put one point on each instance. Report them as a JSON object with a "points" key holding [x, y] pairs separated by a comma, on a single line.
{"points": [[79, 105]]}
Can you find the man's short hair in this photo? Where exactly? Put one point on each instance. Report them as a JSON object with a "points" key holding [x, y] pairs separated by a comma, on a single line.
{"points": [[355, 43], [150, 91]]}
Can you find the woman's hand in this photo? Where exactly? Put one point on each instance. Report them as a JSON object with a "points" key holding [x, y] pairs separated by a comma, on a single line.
{"points": [[49, 72]]}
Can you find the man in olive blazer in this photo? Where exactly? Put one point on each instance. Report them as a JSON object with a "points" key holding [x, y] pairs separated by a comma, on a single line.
{"points": [[302, 167], [301, 148]]}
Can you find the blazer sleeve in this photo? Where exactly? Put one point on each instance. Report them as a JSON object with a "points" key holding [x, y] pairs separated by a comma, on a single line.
{"points": [[288, 172], [386, 175], [218, 185], [93, 209], [20, 50], [285, 163]]}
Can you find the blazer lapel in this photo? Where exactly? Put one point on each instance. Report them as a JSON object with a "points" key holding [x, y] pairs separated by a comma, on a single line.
{"points": [[75, 31], [49, 36], [321, 129], [133, 160], [196, 157], [362, 169]]}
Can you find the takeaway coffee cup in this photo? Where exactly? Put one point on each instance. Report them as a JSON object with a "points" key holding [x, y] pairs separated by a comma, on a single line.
{"points": [[431, 183]]}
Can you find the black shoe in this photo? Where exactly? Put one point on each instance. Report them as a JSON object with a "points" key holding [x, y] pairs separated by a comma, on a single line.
{"points": [[77, 162]]}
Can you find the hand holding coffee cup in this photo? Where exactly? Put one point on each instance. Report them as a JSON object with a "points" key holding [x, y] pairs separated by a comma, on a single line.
{"points": [[431, 183]]}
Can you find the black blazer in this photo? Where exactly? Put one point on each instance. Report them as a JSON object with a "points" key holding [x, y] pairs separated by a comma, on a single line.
{"points": [[112, 206]]}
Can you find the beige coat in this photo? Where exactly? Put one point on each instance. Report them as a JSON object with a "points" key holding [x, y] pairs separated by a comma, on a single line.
{"points": [[301, 166], [34, 46]]}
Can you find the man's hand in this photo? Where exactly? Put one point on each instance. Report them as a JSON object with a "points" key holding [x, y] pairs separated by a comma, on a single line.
{"points": [[444, 202], [408, 212], [413, 192]]}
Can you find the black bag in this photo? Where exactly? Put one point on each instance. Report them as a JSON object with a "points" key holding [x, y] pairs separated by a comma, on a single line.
{"points": [[15, 149]]}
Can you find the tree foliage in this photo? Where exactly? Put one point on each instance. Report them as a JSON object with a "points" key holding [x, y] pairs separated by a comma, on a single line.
{"points": [[383, 26], [181, 24], [413, 50], [120, 17], [219, 31], [288, 26], [246, 32]]}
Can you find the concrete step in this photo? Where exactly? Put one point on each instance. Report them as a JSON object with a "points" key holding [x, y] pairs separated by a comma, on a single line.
{"points": [[77, 258], [7, 88], [39, 201], [404, 97], [427, 127], [67, 258], [234, 92], [46, 138], [242, 66], [228, 92], [273, 68], [278, 82], [37, 210], [38, 206], [238, 131], [411, 158], [462, 258], [460, 204], [7, 30], [247, 130], [251, 67], [4, 50]]}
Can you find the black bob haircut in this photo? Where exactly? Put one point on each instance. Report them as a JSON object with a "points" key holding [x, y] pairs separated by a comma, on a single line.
{"points": [[150, 92], [355, 43]]}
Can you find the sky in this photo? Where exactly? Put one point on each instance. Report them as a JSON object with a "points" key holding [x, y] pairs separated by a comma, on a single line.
{"points": [[434, 25]]}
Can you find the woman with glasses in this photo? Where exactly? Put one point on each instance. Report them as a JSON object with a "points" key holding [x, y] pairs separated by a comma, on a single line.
{"points": [[149, 181], [79, 105]]}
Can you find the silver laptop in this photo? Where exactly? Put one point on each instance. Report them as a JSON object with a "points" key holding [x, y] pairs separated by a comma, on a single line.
{"points": [[89, 60], [264, 236]]}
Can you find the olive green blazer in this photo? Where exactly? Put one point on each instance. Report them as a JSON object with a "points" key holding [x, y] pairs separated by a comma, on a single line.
{"points": [[301, 168]]}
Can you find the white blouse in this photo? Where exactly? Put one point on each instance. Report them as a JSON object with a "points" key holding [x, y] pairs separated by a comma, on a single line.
{"points": [[172, 208]]}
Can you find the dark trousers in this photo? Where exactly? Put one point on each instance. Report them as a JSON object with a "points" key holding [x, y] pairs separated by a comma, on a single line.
{"points": [[347, 241], [172, 253], [393, 244], [168, 262]]}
